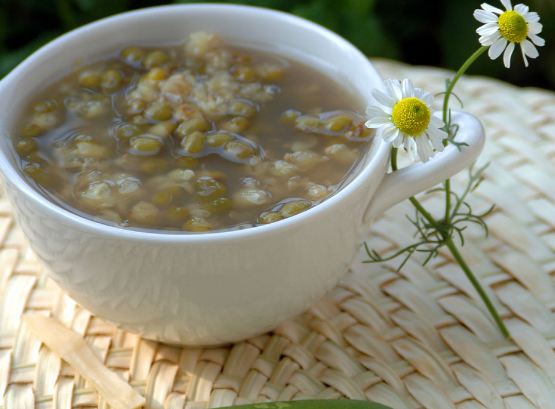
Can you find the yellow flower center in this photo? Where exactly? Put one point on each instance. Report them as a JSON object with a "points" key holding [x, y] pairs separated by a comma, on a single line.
{"points": [[513, 27], [411, 116]]}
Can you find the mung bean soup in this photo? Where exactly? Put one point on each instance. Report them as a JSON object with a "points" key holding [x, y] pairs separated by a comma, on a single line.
{"points": [[193, 137]]}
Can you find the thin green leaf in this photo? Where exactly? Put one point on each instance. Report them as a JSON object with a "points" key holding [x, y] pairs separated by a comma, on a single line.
{"points": [[453, 94]]}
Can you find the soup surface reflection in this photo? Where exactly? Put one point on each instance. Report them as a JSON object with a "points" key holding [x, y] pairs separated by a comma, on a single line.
{"points": [[194, 137]]}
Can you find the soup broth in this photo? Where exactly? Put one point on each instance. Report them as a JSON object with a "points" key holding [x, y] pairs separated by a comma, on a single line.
{"points": [[192, 137]]}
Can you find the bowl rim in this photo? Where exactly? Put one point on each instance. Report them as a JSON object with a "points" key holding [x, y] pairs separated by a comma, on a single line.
{"points": [[89, 225]]}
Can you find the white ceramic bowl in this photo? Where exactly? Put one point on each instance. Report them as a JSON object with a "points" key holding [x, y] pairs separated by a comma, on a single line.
{"points": [[209, 289]]}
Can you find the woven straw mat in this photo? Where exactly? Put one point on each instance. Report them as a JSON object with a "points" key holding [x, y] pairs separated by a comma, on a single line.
{"points": [[419, 338]]}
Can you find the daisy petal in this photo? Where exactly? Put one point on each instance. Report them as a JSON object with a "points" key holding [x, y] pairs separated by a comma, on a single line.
{"points": [[377, 122], [383, 99], [507, 55], [397, 142], [485, 16], [394, 89], [529, 49], [437, 123], [424, 149], [429, 150], [411, 148], [497, 48], [408, 88], [531, 17], [373, 111], [507, 4], [437, 136], [522, 9], [390, 133], [491, 9], [488, 29], [540, 42], [428, 99], [524, 55], [437, 143], [535, 28], [441, 134], [489, 40], [419, 93]]}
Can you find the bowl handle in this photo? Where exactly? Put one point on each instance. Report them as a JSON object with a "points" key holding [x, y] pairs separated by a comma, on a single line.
{"points": [[404, 183]]}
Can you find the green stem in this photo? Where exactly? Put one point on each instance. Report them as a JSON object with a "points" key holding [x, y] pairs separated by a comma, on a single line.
{"points": [[447, 186], [413, 200], [455, 252], [423, 211], [460, 72], [458, 257], [394, 159]]}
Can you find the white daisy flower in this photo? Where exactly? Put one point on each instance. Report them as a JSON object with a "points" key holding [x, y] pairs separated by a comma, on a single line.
{"points": [[408, 119], [509, 27]]}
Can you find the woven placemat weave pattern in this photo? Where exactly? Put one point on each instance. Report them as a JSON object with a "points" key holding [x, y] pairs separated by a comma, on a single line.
{"points": [[413, 339]]}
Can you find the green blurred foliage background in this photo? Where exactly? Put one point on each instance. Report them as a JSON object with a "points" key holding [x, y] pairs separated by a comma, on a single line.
{"points": [[439, 33]]}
